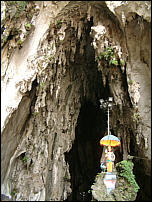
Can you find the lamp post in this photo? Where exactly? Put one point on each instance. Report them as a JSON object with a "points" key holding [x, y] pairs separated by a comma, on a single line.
{"points": [[106, 104], [109, 140]]}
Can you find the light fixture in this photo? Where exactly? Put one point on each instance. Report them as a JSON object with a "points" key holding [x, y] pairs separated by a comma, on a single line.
{"points": [[110, 105], [101, 101], [110, 99]]}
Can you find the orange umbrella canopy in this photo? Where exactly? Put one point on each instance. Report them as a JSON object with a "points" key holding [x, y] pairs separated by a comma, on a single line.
{"points": [[110, 140]]}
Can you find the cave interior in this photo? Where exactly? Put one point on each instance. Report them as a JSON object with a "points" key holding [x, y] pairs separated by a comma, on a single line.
{"points": [[84, 157]]}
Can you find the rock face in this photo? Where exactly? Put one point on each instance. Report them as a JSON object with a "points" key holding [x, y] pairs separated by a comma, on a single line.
{"points": [[58, 59], [125, 188]]}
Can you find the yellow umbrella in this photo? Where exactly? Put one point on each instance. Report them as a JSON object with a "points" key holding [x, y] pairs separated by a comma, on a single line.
{"points": [[110, 140]]}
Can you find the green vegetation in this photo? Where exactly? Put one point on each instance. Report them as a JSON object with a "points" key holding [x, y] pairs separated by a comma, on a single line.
{"points": [[108, 55], [59, 24], [136, 117], [66, 178], [20, 7], [27, 26], [97, 176], [113, 62], [29, 16], [24, 159], [42, 84], [11, 3], [130, 82], [122, 62], [35, 113], [13, 192], [19, 43], [125, 170], [19, 4]]}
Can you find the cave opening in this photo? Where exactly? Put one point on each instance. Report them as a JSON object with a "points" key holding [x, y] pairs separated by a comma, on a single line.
{"points": [[84, 157]]}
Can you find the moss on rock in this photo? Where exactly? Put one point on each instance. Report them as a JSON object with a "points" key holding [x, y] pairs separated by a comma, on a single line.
{"points": [[125, 170], [126, 187]]}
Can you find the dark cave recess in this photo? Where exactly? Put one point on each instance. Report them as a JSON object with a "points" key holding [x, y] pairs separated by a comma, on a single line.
{"points": [[84, 157]]}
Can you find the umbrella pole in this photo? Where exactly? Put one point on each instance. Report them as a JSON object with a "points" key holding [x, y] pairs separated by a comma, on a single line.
{"points": [[108, 129], [108, 120]]}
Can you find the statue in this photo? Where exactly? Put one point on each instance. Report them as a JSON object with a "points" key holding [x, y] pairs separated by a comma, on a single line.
{"points": [[110, 158]]}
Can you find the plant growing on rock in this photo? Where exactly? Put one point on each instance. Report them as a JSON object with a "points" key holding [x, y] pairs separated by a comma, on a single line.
{"points": [[20, 7], [20, 4], [28, 26], [122, 62], [19, 43], [125, 170], [66, 178], [13, 192], [42, 84], [89, 191], [130, 82], [108, 55], [113, 62], [59, 24], [35, 113], [24, 159], [136, 117]]}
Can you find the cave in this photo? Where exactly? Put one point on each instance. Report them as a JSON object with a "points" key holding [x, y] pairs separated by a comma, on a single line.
{"points": [[84, 157]]}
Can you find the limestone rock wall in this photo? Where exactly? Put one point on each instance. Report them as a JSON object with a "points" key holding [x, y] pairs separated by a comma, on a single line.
{"points": [[49, 69]]}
